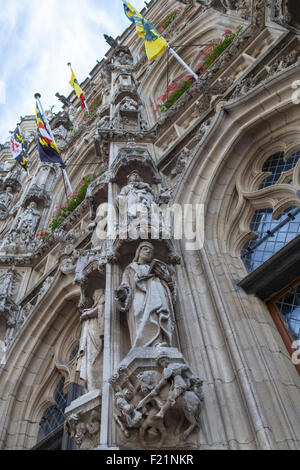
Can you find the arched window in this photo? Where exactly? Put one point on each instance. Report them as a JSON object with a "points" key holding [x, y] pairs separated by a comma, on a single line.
{"points": [[54, 416], [277, 166], [272, 235], [51, 433]]}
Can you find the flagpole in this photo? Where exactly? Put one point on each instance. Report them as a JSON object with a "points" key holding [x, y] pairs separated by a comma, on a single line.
{"points": [[183, 63], [37, 97], [84, 102]]}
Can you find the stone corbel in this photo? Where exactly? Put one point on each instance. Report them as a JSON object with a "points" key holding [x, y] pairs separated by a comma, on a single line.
{"points": [[83, 419]]}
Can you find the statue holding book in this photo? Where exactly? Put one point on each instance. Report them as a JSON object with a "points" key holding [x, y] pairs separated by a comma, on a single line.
{"points": [[147, 295]]}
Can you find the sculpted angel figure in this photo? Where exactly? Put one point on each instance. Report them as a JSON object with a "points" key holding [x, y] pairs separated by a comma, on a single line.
{"points": [[147, 294]]}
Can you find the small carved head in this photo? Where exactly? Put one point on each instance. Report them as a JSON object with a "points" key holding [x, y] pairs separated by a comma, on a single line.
{"points": [[134, 177], [144, 253]]}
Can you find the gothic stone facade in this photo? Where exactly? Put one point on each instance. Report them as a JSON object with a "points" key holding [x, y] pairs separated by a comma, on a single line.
{"points": [[110, 344]]}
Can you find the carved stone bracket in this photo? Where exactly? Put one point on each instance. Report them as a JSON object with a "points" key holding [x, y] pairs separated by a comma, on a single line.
{"points": [[83, 418], [157, 398]]}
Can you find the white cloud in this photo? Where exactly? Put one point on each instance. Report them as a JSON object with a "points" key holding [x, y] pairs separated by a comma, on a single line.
{"points": [[39, 37]]}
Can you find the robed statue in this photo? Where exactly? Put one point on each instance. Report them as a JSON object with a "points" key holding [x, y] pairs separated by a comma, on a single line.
{"points": [[147, 295], [89, 362]]}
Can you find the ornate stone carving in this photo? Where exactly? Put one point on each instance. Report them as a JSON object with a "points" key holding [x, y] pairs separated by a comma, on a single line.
{"points": [[286, 13], [69, 262], [45, 287], [157, 398], [9, 310], [202, 131], [84, 429], [147, 296], [89, 362], [244, 86], [181, 162], [101, 142], [283, 62], [6, 198], [60, 134], [13, 181], [128, 104], [22, 235]]}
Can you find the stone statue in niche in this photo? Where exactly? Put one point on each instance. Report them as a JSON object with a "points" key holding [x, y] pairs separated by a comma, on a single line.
{"points": [[91, 343], [136, 192], [22, 234], [28, 222], [147, 295]]}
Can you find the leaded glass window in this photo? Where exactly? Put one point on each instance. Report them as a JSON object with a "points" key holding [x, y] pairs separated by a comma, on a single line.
{"points": [[272, 235], [277, 165], [289, 309], [54, 416]]}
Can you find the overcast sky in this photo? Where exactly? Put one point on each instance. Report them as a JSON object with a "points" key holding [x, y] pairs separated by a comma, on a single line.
{"points": [[37, 40]]}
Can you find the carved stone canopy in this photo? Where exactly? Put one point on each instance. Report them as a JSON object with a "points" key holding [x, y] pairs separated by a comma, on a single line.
{"points": [[97, 193], [287, 13], [13, 181], [38, 195], [134, 158], [88, 276], [164, 250]]}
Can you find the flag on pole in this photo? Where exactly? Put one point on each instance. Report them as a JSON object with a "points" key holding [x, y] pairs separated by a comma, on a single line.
{"points": [[78, 90], [18, 150], [155, 44], [48, 151]]}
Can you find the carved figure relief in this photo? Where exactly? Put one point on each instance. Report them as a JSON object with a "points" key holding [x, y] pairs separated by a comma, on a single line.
{"points": [[157, 398]]}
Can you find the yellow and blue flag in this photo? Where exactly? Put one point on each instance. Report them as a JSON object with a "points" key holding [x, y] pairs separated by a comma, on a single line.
{"points": [[48, 151], [78, 90], [18, 150], [155, 44]]}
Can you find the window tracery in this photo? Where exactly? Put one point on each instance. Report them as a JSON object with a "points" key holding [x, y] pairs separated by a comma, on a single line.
{"points": [[277, 165]]}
